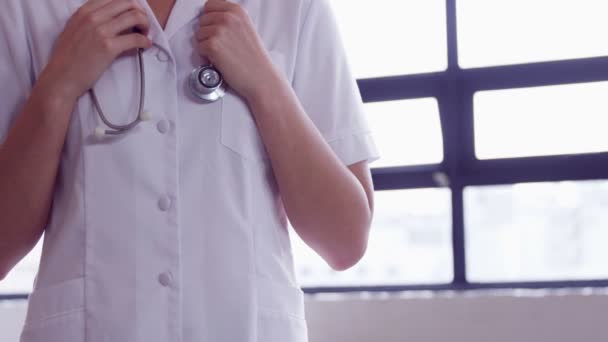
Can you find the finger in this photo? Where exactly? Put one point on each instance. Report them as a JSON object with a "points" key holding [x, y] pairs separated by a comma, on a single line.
{"points": [[117, 8], [125, 21], [87, 9], [92, 5], [211, 18], [208, 48], [206, 32], [130, 41], [87, 21], [218, 6]]}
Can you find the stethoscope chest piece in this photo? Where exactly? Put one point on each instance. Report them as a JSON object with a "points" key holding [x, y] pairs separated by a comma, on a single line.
{"points": [[206, 83]]}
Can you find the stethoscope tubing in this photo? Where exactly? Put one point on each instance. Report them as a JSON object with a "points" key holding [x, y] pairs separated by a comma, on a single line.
{"points": [[205, 92], [118, 129]]}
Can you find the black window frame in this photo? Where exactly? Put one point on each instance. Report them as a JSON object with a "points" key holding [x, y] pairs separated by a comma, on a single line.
{"points": [[454, 89]]}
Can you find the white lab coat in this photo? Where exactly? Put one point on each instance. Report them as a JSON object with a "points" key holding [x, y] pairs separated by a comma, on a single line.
{"points": [[175, 231]]}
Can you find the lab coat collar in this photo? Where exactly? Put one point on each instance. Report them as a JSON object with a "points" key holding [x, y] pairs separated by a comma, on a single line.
{"points": [[183, 12]]}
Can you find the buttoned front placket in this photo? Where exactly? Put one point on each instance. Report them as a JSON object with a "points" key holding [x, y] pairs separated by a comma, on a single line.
{"points": [[133, 234], [160, 259], [167, 253]]}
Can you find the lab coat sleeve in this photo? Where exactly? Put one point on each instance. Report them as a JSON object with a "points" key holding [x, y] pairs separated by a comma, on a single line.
{"points": [[15, 64], [327, 89]]}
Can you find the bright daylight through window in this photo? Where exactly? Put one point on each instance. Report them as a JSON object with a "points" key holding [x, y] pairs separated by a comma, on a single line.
{"points": [[540, 230]]}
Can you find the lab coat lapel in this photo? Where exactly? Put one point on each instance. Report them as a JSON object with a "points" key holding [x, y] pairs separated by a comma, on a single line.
{"points": [[156, 31], [182, 13]]}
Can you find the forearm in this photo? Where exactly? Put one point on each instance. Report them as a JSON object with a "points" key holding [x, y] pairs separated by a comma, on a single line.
{"points": [[29, 160], [325, 202]]}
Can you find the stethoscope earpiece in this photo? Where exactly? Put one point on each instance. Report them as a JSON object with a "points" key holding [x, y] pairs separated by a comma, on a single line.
{"points": [[100, 132], [207, 83]]}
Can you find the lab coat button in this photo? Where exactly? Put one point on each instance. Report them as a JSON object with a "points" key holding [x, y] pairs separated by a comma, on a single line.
{"points": [[162, 126], [162, 56], [165, 279], [164, 203]]}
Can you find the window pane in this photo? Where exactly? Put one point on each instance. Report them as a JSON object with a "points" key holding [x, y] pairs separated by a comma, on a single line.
{"points": [[498, 32], [537, 231], [410, 243], [388, 37], [20, 279], [407, 132], [565, 119]]}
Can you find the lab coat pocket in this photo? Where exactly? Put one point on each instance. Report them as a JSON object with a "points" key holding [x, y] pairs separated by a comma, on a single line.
{"points": [[56, 313], [281, 315], [239, 131]]}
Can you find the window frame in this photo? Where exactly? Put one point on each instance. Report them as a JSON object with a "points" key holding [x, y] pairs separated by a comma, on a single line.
{"points": [[454, 89]]}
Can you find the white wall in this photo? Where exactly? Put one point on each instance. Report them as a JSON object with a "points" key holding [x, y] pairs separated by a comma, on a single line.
{"points": [[467, 318], [422, 317]]}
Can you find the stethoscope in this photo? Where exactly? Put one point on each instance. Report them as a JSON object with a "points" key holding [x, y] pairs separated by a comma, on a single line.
{"points": [[205, 82]]}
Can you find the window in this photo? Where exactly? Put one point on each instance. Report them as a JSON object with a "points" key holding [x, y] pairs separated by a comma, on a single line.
{"points": [[490, 118], [411, 132], [370, 30], [498, 32], [410, 243], [537, 231], [553, 120], [504, 150]]}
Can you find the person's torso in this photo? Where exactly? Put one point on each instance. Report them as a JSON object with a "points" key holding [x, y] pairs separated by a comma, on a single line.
{"points": [[173, 231]]}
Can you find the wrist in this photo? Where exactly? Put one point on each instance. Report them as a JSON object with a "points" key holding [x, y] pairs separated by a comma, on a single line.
{"points": [[54, 80], [264, 91], [53, 94]]}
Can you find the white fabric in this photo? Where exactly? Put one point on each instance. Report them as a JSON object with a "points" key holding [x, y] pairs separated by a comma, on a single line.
{"points": [[175, 233]]}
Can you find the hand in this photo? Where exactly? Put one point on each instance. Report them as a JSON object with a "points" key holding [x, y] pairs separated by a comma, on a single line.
{"points": [[93, 37], [228, 39]]}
